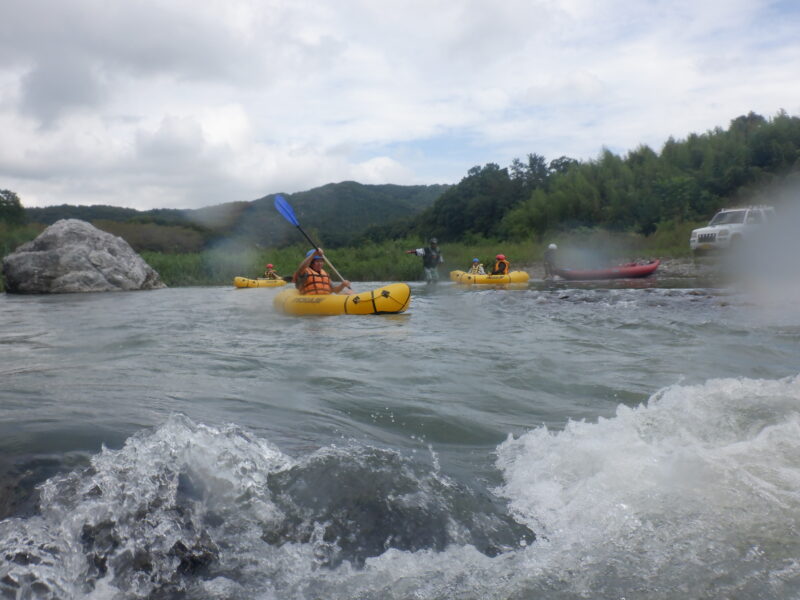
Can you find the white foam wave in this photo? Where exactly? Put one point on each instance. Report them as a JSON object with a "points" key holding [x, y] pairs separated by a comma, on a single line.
{"points": [[701, 484], [219, 513], [138, 515], [694, 494]]}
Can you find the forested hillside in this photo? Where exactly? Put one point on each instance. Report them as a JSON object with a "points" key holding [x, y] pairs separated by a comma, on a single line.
{"points": [[688, 180], [337, 212]]}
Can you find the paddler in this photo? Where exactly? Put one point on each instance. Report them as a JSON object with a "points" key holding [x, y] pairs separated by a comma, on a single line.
{"points": [[270, 273], [476, 268], [501, 265], [311, 279]]}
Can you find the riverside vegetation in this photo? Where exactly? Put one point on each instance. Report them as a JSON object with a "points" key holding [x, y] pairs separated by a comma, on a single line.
{"points": [[386, 261], [643, 204]]}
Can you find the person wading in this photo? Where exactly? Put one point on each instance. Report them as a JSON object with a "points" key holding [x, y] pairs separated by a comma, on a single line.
{"points": [[550, 261], [431, 259]]}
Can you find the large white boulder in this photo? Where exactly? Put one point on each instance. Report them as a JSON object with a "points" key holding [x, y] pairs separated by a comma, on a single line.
{"points": [[74, 256]]}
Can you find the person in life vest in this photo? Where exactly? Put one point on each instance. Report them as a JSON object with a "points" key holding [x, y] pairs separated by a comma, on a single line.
{"points": [[476, 268], [431, 259], [550, 261], [311, 279], [501, 265], [270, 273]]}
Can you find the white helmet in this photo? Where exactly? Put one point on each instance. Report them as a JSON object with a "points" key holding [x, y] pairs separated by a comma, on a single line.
{"points": [[552, 247]]}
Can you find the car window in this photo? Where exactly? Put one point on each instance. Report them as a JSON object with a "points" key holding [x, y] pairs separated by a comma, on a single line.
{"points": [[754, 216], [727, 217]]}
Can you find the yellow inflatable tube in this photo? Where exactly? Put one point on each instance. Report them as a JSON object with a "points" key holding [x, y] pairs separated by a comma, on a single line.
{"points": [[467, 279], [244, 282], [393, 298]]}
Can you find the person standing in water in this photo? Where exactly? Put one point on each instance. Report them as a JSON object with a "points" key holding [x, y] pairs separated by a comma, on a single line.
{"points": [[550, 261], [431, 259]]}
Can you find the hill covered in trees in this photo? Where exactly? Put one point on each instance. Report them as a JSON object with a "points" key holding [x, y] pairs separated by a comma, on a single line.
{"points": [[687, 181], [337, 213]]}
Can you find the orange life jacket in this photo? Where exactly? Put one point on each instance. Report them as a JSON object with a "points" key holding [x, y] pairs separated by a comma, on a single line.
{"points": [[500, 267], [313, 283]]}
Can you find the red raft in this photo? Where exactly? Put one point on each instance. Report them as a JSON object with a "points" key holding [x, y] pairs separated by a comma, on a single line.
{"points": [[626, 271]]}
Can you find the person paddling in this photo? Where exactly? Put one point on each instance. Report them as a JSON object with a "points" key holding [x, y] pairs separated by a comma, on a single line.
{"points": [[476, 268], [270, 273], [311, 279], [501, 265]]}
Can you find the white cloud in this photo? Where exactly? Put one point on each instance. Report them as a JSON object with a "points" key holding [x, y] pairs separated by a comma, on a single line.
{"points": [[184, 104]]}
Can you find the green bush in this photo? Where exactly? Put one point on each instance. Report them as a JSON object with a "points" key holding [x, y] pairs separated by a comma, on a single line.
{"points": [[672, 238], [13, 236]]}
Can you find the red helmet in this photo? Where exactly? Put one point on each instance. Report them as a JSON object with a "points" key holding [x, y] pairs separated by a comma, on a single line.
{"points": [[269, 266], [500, 257]]}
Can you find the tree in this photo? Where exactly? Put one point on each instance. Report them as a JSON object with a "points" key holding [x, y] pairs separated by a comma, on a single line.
{"points": [[11, 210], [475, 206], [531, 176], [562, 164]]}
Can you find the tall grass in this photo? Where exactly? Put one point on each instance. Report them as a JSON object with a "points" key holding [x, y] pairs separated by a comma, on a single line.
{"points": [[388, 261], [219, 266], [371, 262]]}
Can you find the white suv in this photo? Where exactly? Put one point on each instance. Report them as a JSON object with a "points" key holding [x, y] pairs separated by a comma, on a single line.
{"points": [[730, 227]]}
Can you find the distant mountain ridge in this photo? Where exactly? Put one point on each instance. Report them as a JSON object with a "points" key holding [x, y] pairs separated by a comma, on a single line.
{"points": [[336, 213]]}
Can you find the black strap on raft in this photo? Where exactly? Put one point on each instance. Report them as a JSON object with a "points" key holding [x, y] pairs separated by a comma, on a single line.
{"points": [[374, 306], [372, 298]]}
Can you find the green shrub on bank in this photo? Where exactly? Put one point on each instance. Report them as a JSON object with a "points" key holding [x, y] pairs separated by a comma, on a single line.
{"points": [[672, 238], [13, 236]]}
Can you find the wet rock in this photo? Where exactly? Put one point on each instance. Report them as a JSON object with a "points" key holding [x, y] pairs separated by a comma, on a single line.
{"points": [[353, 508], [18, 480], [74, 256], [195, 560]]}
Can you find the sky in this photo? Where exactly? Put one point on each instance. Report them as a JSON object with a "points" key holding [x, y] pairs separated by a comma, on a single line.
{"points": [[185, 104]]}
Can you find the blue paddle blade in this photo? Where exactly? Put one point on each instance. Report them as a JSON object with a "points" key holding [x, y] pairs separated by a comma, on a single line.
{"points": [[285, 209]]}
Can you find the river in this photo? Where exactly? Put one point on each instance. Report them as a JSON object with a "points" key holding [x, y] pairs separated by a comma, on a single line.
{"points": [[640, 440]]}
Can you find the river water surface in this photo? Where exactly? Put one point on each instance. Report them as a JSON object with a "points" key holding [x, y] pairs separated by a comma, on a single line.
{"points": [[636, 441]]}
